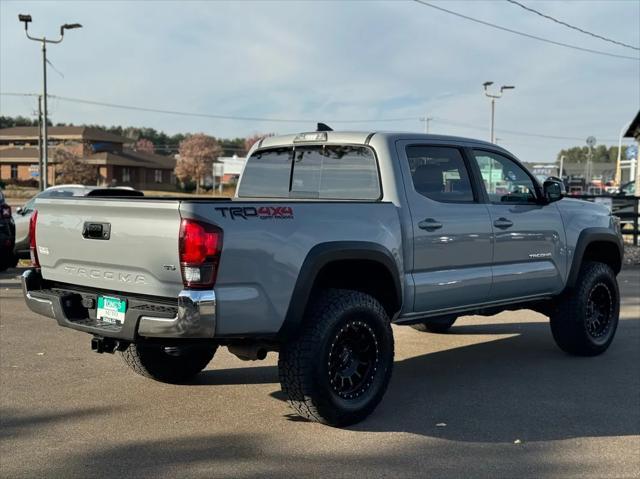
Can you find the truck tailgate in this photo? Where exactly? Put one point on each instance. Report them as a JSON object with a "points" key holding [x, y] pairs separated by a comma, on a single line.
{"points": [[140, 254]]}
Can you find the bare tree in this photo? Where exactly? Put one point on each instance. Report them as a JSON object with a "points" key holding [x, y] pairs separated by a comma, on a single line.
{"points": [[70, 168], [197, 154], [144, 145], [251, 140]]}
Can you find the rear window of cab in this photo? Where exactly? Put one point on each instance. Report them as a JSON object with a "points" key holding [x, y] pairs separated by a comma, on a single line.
{"points": [[332, 172]]}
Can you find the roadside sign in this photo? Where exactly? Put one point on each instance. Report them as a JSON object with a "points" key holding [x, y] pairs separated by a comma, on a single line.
{"points": [[631, 152], [591, 141]]}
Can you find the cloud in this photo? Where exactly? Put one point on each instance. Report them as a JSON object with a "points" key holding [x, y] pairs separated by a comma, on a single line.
{"points": [[329, 61]]}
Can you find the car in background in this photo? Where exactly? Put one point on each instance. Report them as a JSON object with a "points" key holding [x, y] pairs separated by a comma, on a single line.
{"points": [[7, 235], [23, 214], [628, 189]]}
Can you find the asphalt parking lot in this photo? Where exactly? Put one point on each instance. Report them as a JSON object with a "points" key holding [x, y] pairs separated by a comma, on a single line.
{"points": [[512, 405]]}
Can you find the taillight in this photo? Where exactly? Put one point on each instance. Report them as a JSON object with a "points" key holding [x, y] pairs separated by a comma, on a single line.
{"points": [[5, 211], [32, 239], [200, 246]]}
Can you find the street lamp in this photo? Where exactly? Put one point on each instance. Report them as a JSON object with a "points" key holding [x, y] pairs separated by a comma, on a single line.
{"points": [[493, 97], [26, 19]]}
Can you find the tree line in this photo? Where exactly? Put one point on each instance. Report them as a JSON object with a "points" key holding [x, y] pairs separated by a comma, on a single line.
{"points": [[601, 154]]}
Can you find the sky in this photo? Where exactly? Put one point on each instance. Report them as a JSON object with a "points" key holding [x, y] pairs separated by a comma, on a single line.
{"points": [[331, 61]]}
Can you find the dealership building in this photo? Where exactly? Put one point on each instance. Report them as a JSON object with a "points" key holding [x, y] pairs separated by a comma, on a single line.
{"points": [[117, 162]]}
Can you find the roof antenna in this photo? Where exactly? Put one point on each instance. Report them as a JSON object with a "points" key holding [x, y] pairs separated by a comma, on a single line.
{"points": [[323, 127]]}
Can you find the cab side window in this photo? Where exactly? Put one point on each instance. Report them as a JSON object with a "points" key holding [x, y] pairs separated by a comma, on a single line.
{"points": [[440, 174], [504, 180]]}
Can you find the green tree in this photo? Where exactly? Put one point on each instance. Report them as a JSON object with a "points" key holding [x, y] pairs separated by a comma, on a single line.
{"points": [[580, 154]]}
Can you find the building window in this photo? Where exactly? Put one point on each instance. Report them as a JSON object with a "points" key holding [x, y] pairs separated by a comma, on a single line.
{"points": [[158, 176], [126, 175], [14, 172]]}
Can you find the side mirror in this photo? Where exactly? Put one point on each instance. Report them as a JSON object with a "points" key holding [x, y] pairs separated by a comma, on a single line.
{"points": [[553, 189]]}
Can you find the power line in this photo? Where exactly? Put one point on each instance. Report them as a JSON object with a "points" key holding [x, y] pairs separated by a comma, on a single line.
{"points": [[445, 121], [217, 116], [528, 35], [549, 17], [513, 132]]}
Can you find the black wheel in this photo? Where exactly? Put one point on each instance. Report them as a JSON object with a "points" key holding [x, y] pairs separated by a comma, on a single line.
{"points": [[338, 368], [585, 319], [436, 325], [6, 260], [166, 363]]}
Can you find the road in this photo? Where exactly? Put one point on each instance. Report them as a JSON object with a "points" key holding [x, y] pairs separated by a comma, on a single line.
{"points": [[514, 406]]}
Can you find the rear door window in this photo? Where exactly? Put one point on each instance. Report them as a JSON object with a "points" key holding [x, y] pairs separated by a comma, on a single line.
{"points": [[312, 172], [440, 173]]}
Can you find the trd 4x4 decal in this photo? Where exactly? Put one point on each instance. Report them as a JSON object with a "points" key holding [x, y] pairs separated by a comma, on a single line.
{"points": [[262, 212]]}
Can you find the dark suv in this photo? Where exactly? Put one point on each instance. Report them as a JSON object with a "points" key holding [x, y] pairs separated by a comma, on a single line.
{"points": [[7, 235]]}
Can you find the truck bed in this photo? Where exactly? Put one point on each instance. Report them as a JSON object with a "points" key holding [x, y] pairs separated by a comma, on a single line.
{"points": [[265, 245]]}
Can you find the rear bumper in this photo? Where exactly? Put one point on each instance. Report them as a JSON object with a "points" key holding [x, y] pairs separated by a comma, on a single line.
{"points": [[192, 316]]}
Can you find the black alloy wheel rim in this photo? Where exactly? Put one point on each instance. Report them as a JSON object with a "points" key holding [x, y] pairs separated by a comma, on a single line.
{"points": [[599, 311], [353, 360]]}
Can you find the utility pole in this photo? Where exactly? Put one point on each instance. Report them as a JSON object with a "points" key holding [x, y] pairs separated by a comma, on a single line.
{"points": [[40, 143], [494, 97], [591, 142], [426, 119], [26, 19], [561, 166]]}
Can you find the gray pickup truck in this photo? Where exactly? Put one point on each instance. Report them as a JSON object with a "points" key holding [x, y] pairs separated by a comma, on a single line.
{"points": [[330, 238]]}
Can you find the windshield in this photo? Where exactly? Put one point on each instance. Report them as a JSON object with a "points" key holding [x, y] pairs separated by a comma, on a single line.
{"points": [[629, 188], [312, 172]]}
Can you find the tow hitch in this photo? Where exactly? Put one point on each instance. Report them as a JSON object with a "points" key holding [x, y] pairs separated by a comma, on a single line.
{"points": [[107, 345]]}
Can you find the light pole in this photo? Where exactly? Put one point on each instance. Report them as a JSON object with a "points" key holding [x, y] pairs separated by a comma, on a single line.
{"points": [[494, 97], [26, 19]]}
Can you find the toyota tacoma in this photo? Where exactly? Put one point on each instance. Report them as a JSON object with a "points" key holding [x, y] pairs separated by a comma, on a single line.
{"points": [[330, 238]]}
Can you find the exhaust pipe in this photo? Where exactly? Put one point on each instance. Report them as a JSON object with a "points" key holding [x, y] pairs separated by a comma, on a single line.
{"points": [[249, 351]]}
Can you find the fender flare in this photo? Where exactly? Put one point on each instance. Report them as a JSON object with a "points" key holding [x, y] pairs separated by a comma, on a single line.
{"points": [[317, 258], [588, 236]]}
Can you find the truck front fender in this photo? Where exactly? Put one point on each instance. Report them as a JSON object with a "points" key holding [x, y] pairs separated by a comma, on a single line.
{"points": [[601, 238]]}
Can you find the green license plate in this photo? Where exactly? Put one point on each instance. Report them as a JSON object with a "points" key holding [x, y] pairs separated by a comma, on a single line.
{"points": [[111, 310]]}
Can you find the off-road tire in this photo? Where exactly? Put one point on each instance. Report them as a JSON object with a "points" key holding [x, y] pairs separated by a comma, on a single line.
{"points": [[175, 367], [572, 324], [439, 325], [341, 328], [10, 261]]}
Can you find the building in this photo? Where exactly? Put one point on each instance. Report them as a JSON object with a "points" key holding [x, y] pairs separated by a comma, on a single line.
{"points": [[226, 170], [117, 163], [632, 160], [229, 169]]}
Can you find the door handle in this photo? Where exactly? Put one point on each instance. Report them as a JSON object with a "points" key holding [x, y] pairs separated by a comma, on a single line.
{"points": [[503, 223], [429, 224]]}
